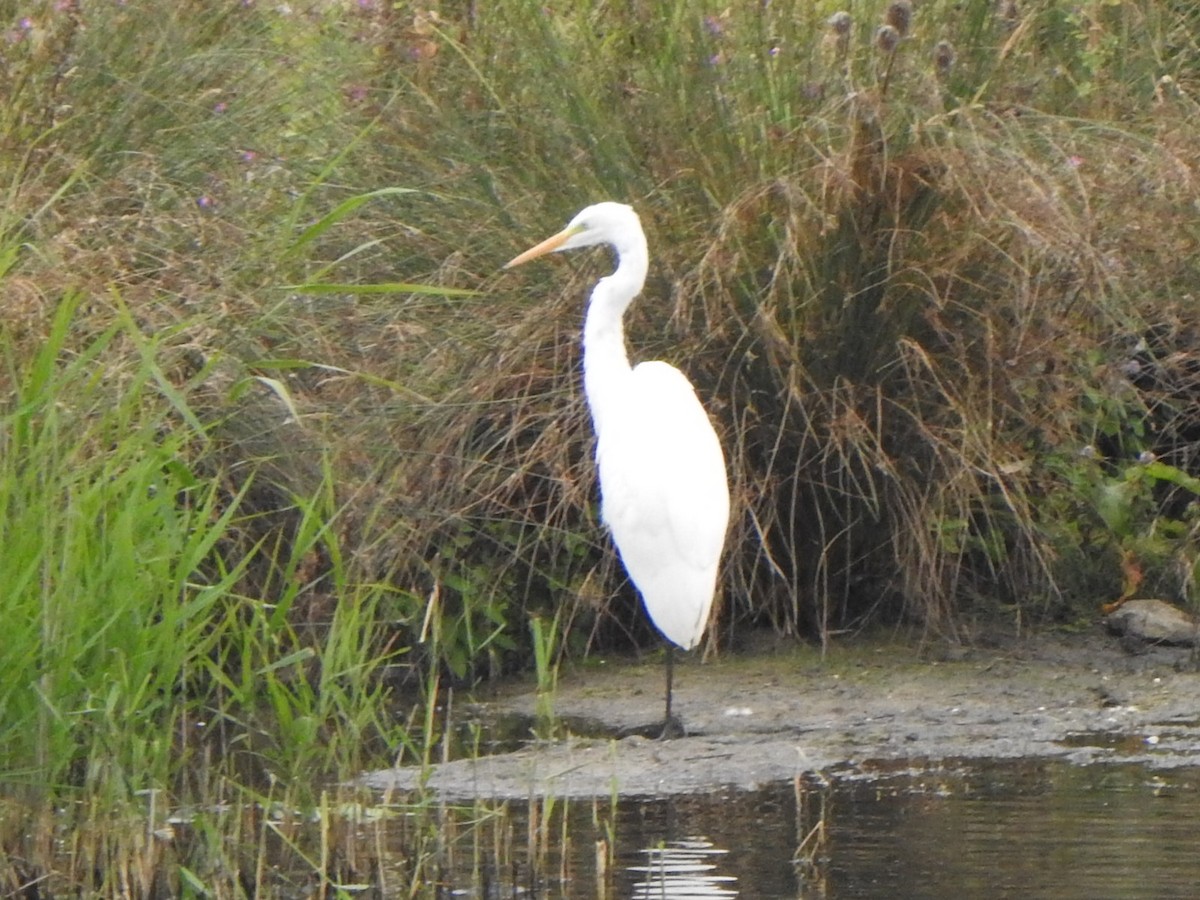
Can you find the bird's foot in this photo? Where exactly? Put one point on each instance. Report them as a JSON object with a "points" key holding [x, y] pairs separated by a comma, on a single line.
{"points": [[672, 727], [664, 730]]}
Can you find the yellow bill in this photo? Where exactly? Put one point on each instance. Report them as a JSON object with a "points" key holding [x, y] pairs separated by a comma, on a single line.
{"points": [[549, 245]]}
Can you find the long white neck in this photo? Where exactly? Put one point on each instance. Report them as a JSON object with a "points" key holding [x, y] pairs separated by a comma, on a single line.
{"points": [[605, 361]]}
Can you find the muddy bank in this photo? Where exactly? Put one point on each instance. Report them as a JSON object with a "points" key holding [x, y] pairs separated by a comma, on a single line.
{"points": [[772, 715]]}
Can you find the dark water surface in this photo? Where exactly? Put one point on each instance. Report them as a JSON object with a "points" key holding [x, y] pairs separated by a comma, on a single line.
{"points": [[951, 830]]}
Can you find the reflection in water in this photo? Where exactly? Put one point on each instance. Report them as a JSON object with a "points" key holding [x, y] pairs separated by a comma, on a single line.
{"points": [[682, 869], [925, 829], [917, 829], [1027, 828]]}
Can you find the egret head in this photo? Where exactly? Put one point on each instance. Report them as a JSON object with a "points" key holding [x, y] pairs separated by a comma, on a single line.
{"points": [[601, 223]]}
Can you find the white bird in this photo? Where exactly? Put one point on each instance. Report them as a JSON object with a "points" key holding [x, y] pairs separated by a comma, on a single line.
{"points": [[663, 488]]}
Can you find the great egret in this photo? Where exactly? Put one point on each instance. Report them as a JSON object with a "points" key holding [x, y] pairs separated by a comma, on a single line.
{"points": [[663, 488]]}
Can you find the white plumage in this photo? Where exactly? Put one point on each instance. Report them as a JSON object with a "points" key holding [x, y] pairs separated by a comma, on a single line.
{"points": [[664, 491], [664, 496]]}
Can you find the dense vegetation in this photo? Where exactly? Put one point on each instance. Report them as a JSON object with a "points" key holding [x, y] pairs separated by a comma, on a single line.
{"points": [[277, 439]]}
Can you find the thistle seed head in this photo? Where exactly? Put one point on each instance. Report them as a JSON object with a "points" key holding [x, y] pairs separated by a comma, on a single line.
{"points": [[899, 16], [887, 39], [943, 58]]}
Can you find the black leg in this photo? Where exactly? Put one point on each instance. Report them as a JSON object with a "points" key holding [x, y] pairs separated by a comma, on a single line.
{"points": [[672, 726], [670, 677]]}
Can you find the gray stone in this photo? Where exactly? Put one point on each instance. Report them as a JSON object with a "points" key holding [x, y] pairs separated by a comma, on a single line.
{"points": [[1154, 622]]}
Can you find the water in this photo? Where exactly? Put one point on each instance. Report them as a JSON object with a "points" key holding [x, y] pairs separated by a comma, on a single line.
{"points": [[973, 829], [1030, 829]]}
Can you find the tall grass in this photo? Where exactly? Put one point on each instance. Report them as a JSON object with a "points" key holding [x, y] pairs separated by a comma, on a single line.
{"points": [[186, 627], [100, 543], [134, 665], [910, 280], [935, 289]]}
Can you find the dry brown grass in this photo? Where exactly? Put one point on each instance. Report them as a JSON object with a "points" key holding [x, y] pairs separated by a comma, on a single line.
{"points": [[906, 300], [900, 344]]}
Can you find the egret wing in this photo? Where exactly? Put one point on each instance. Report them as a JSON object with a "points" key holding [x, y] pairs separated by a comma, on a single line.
{"points": [[665, 497]]}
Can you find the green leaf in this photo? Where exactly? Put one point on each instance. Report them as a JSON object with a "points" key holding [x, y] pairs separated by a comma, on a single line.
{"points": [[390, 287], [339, 212], [1163, 472]]}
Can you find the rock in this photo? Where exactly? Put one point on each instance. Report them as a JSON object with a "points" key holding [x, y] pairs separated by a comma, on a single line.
{"points": [[1154, 622]]}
